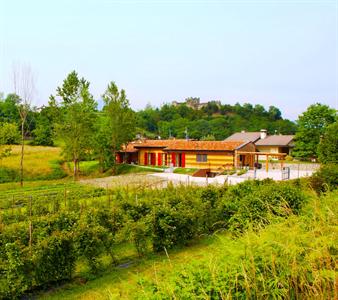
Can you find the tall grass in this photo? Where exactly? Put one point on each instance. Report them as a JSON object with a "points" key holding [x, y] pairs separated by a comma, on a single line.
{"points": [[290, 259], [39, 163]]}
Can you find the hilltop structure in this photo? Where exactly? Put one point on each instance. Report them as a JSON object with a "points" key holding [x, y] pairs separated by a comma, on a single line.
{"points": [[195, 103]]}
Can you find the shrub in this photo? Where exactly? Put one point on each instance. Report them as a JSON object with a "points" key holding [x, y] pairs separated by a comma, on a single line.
{"points": [[15, 279], [89, 244], [9, 133], [288, 158], [54, 259], [241, 172], [326, 178]]}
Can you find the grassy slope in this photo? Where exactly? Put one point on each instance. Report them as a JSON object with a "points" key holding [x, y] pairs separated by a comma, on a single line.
{"points": [[39, 163], [297, 244], [36, 160], [42, 163]]}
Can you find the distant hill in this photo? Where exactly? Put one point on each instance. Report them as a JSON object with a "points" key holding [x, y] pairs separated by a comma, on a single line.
{"points": [[210, 120]]}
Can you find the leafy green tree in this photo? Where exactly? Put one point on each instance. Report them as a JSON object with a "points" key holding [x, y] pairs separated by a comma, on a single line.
{"points": [[274, 113], [76, 122], [8, 109], [102, 151], [44, 128], [328, 146], [311, 126], [120, 119], [9, 134], [208, 137]]}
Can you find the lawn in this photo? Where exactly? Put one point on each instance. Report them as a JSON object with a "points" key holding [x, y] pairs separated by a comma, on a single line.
{"points": [[187, 171]]}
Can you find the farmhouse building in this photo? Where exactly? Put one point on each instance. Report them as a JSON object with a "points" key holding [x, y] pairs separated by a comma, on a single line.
{"points": [[277, 143], [212, 155]]}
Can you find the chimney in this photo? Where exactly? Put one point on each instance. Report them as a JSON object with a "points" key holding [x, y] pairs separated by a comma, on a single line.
{"points": [[263, 134]]}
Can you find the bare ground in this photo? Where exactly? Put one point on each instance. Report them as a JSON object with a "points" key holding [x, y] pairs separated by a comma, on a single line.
{"points": [[128, 180]]}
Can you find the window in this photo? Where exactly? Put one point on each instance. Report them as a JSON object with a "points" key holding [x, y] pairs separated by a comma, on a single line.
{"points": [[201, 157]]}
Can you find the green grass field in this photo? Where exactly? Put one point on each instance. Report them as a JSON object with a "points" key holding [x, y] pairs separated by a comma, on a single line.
{"points": [[39, 163]]}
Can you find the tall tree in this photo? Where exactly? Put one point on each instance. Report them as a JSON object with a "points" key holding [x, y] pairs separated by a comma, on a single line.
{"points": [[311, 126], [24, 87], [121, 119], [76, 122], [328, 146]]}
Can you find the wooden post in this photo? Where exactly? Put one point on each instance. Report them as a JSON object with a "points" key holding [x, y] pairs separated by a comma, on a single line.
{"points": [[30, 225], [266, 163], [235, 162], [65, 197]]}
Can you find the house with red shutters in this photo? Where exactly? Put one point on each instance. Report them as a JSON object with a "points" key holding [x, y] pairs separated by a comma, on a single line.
{"points": [[212, 155]]}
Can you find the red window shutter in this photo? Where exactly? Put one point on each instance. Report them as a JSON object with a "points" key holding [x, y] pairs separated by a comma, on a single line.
{"points": [[183, 160], [173, 159], [166, 159], [159, 159], [145, 158], [153, 159]]}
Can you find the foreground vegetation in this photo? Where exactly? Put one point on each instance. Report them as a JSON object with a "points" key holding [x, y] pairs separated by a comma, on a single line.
{"points": [[291, 258], [58, 235]]}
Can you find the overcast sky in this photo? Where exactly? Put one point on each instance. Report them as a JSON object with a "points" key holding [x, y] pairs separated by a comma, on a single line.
{"points": [[282, 53]]}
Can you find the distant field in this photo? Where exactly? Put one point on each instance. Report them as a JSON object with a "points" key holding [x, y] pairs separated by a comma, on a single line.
{"points": [[36, 159], [39, 163]]}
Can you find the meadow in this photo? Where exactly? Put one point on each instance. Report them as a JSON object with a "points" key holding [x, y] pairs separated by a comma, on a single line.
{"points": [[39, 163]]}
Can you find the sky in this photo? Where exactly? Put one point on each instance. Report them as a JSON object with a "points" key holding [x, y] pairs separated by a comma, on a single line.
{"points": [[278, 52]]}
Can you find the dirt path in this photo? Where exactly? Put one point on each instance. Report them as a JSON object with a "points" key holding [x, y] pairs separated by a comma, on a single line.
{"points": [[128, 180]]}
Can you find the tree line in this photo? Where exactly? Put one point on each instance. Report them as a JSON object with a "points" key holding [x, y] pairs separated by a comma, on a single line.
{"points": [[72, 120]]}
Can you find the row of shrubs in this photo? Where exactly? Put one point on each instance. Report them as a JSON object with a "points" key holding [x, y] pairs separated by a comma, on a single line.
{"points": [[291, 259], [159, 218]]}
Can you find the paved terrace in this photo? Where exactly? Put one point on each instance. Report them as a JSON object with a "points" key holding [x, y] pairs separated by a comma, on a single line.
{"points": [[230, 179]]}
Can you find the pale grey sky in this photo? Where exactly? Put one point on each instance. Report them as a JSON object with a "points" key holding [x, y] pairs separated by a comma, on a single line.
{"points": [[282, 53]]}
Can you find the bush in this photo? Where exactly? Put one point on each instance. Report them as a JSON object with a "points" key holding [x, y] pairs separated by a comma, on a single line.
{"points": [[288, 158], [9, 134], [241, 172], [293, 259], [14, 279], [326, 178], [89, 244], [54, 259]]}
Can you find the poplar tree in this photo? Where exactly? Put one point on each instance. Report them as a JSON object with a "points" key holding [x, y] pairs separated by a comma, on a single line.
{"points": [[75, 127], [120, 119]]}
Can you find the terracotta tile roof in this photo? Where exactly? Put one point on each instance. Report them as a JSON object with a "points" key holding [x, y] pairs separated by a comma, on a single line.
{"points": [[276, 140], [185, 145]]}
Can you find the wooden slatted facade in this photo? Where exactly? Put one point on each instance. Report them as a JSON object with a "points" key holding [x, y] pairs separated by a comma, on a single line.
{"points": [[214, 155]]}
